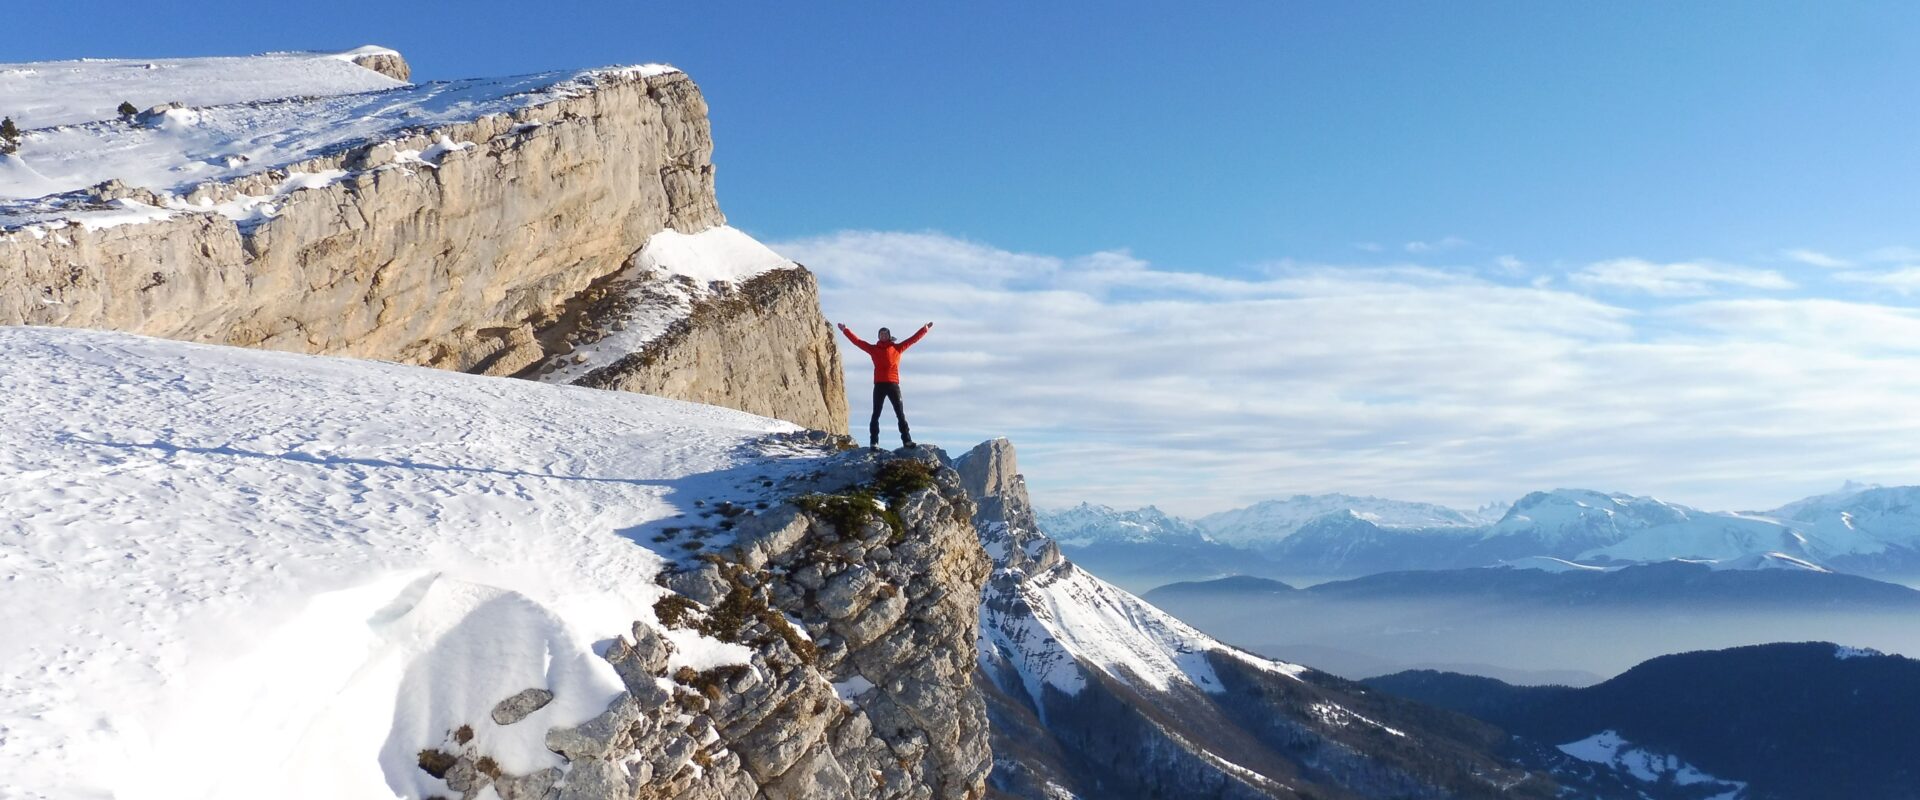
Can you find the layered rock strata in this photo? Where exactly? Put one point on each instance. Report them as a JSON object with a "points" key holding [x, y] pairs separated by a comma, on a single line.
{"points": [[449, 247], [759, 345], [861, 680]]}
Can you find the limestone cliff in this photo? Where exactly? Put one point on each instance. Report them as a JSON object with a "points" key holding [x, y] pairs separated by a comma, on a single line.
{"points": [[859, 601], [462, 245]]}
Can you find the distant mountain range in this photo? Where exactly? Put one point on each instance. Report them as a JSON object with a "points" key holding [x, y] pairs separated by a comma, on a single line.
{"points": [[1867, 530], [1662, 584], [1093, 693], [1811, 720], [1271, 520], [1143, 548], [1535, 625]]}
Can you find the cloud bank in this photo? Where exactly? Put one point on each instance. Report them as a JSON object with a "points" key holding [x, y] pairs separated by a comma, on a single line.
{"points": [[1127, 383]]}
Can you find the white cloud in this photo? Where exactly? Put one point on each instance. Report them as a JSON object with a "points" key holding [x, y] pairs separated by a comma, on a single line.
{"points": [[1905, 280], [1676, 279], [1816, 258], [1894, 253], [1368, 247], [1844, 328], [1511, 265], [1446, 243], [1127, 384]]}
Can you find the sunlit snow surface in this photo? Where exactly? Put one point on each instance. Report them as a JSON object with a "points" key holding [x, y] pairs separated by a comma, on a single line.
{"points": [[48, 93], [1080, 622], [228, 572], [244, 116]]}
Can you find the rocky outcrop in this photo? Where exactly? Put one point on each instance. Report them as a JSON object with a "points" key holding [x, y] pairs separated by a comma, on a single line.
{"points": [[456, 247], [385, 62], [862, 625], [760, 346]]}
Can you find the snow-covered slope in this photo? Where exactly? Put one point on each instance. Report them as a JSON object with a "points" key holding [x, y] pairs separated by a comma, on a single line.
{"points": [[1857, 520], [231, 573], [240, 116], [1649, 766], [44, 94], [1589, 526], [1079, 621], [1272, 520], [1581, 515], [1089, 524]]}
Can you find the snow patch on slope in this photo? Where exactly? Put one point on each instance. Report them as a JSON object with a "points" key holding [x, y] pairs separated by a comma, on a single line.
{"points": [[1607, 747], [1342, 716], [307, 569], [1844, 653], [668, 276]]}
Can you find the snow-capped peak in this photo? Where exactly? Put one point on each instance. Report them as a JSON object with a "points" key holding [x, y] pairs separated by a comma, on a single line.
{"points": [[1585, 515], [1088, 523], [1848, 490], [1272, 520]]}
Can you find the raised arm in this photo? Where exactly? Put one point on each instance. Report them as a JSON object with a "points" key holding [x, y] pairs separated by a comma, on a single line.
{"points": [[916, 336], [857, 341]]}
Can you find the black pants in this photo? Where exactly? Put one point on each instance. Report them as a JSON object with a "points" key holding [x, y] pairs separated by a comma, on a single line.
{"points": [[883, 392]]}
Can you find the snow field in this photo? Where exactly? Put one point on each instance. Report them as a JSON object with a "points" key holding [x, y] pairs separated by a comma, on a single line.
{"points": [[1608, 747], [228, 572], [49, 93]]}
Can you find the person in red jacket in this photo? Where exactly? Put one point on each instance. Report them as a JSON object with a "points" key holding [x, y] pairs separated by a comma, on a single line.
{"points": [[886, 378]]}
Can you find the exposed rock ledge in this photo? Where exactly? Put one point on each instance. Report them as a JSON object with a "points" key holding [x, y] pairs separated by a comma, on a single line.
{"points": [[383, 61], [442, 247], [861, 682], [760, 346]]}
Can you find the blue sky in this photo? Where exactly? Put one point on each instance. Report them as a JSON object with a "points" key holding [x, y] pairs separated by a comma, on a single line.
{"points": [[1217, 136], [1198, 256]]}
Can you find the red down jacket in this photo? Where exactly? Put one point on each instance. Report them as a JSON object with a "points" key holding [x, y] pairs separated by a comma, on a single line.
{"points": [[885, 355]]}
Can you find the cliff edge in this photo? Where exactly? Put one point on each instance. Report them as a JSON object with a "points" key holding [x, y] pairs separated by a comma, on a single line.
{"points": [[470, 225], [235, 572]]}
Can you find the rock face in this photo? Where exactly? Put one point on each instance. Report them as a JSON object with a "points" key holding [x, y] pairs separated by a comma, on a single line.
{"points": [[862, 626], [1092, 692], [385, 62], [761, 347], [460, 263]]}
